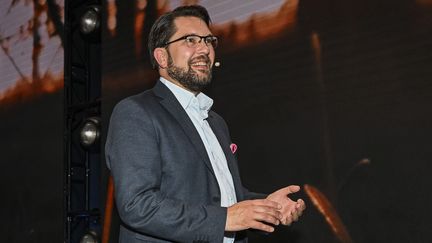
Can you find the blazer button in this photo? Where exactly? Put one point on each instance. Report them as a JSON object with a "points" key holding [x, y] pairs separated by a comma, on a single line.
{"points": [[216, 199]]}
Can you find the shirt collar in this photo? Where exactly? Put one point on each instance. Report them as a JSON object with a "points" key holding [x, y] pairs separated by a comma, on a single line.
{"points": [[186, 97]]}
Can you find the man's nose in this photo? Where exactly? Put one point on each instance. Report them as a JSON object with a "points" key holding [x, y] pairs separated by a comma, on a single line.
{"points": [[202, 47]]}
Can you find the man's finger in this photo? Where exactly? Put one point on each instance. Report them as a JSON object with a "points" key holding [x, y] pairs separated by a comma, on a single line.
{"points": [[295, 216], [270, 210], [299, 213], [265, 217], [261, 226], [301, 204], [287, 221], [289, 189], [267, 203]]}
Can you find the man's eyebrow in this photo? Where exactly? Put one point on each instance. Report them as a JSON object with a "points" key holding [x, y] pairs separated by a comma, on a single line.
{"points": [[193, 33]]}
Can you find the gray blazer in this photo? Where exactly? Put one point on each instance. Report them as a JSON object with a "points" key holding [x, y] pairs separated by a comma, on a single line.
{"points": [[165, 187]]}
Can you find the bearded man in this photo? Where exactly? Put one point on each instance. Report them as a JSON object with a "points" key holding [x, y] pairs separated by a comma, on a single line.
{"points": [[175, 173]]}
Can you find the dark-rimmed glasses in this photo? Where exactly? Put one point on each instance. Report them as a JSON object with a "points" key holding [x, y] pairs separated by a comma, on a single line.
{"points": [[192, 41]]}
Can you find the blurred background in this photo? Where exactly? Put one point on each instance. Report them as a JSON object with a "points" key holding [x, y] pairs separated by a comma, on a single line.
{"points": [[331, 95]]}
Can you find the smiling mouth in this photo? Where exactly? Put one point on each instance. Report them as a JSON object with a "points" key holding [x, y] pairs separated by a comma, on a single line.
{"points": [[200, 65]]}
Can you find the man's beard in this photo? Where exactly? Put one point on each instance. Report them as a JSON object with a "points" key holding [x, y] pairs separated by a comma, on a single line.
{"points": [[189, 78]]}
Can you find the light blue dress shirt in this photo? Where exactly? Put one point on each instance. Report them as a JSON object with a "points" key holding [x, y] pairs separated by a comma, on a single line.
{"points": [[197, 108]]}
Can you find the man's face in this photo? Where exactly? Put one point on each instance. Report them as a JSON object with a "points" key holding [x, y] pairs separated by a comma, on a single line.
{"points": [[191, 67]]}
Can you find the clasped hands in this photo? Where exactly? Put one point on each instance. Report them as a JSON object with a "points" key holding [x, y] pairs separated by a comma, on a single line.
{"points": [[263, 214]]}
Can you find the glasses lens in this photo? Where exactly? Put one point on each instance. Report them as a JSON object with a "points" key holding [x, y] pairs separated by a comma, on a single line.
{"points": [[211, 40], [192, 40]]}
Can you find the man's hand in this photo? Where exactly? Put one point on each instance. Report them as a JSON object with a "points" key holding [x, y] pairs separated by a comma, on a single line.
{"points": [[291, 210], [255, 214]]}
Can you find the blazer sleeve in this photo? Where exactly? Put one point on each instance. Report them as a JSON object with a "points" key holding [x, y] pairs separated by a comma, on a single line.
{"points": [[253, 195], [133, 156]]}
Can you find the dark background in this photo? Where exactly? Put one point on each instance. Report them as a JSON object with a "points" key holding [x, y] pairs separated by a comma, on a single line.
{"points": [[32, 169]]}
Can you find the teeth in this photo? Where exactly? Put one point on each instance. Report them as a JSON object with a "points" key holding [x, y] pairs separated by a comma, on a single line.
{"points": [[200, 64]]}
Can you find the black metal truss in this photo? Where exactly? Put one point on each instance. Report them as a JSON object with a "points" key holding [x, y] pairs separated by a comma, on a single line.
{"points": [[82, 92]]}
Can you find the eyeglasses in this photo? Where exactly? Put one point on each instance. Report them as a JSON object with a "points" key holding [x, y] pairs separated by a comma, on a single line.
{"points": [[192, 41]]}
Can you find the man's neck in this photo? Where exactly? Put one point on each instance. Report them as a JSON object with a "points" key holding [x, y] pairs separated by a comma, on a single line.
{"points": [[167, 77]]}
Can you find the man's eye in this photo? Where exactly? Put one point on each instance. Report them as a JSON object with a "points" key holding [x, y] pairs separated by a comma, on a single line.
{"points": [[191, 40]]}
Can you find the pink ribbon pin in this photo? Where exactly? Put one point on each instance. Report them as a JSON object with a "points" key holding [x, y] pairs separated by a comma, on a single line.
{"points": [[233, 147]]}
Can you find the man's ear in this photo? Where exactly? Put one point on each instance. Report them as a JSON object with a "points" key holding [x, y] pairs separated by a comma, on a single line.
{"points": [[161, 56]]}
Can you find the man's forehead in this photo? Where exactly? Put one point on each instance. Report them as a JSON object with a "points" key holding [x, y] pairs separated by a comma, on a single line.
{"points": [[191, 25]]}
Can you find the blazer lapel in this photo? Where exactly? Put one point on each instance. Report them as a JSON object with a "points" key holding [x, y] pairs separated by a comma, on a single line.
{"points": [[171, 104], [231, 160]]}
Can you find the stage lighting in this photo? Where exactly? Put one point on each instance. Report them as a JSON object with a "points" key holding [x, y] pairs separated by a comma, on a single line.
{"points": [[90, 20], [89, 237], [90, 131]]}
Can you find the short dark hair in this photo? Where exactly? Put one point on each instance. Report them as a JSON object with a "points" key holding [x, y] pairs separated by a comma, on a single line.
{"points": [[164, 28]]}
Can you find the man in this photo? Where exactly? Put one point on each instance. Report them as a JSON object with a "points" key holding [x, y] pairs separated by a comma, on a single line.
{"points": [[176, 178]]}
